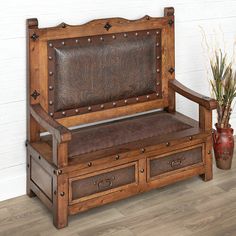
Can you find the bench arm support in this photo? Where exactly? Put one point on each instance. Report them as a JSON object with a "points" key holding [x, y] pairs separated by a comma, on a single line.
{"points": [[208, 103], [61, 133]]}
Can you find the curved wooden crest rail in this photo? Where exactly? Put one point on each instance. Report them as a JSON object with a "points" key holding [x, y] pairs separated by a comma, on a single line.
{"points": [[105, 69]]}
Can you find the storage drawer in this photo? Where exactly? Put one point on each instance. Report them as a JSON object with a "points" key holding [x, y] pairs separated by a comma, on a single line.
{"points": [[158, 165], [89, 186]]}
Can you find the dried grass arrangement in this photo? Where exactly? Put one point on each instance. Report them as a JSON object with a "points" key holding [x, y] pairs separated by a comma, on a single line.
{"points": [[224, 87]]}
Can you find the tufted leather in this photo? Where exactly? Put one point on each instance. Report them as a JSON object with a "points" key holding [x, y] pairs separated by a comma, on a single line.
{"points": [[94, 138], [100, 72]]}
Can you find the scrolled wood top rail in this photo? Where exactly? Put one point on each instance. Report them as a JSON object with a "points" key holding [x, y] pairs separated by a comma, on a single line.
{"points": [[61, 133], [207, 102]]}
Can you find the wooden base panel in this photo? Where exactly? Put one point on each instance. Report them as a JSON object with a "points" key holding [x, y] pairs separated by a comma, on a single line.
{"points": [[118, 180], [40, 194]]}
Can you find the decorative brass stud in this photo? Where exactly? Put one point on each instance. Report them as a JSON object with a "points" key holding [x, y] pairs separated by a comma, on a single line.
{"points": [[190, 138], [157, 44], [147, 96], [62, 194], [63, 113], [57, 172], [76, 40], [157, 32], [170, 22], [89, 108], [117, 157], [137, 99], [143, 150], [113, 36], [114, 104], [158, 70], [125, 35], [76, 110], [50, 102], [50, 58], [26, 144], [63, 43], [89, 40], [167, 144], [157, 94], [142, 170], [126, 101], [89, 164], [101, 38], [102, 106], [136, 34], [158, 57], [148, 33], [51, 114], [50, 73], [50, 45], [158, 83], [50, 87]]}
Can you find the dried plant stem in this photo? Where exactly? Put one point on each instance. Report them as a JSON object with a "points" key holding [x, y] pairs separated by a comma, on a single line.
{"points": [[225, 118], [223, 87], [219, 114]]}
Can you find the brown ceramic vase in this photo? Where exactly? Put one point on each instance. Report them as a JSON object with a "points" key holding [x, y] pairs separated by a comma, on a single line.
{"points": [[223, 143]]}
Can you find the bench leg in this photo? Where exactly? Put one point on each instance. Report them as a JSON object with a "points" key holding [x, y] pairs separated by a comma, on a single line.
{"points": [[29, 192], [60, 201], [208, 175]]}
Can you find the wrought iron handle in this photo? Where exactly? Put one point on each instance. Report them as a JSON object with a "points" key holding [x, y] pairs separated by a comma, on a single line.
{"points": [[214, 135], [176, 163], [105, 183]]}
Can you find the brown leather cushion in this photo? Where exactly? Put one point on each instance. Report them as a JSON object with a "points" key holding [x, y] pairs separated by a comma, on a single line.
{"points": [[104, 71], [94, 138]]}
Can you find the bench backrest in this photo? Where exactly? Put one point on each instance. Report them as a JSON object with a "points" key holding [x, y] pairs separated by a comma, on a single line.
{"points": [[103, 69]]}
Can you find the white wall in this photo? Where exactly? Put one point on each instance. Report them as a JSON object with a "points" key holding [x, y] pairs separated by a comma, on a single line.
{"points": [[190, 59]]}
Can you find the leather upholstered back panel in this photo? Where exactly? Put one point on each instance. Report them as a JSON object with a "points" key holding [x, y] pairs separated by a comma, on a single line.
{"points": [[104, 69]]}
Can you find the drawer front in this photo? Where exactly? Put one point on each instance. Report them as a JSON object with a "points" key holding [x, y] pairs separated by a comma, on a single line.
{"points": [[90, 186], [162, 164]]}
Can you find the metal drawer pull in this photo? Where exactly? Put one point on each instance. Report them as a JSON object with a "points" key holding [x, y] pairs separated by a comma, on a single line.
{"points": [[105, 183], [176, 163]]}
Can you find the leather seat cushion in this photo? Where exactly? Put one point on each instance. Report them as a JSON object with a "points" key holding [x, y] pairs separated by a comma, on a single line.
{"points": [[106, 135]]}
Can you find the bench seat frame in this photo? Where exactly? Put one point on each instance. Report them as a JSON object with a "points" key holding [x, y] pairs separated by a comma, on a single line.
{"points": [[50, 173]]}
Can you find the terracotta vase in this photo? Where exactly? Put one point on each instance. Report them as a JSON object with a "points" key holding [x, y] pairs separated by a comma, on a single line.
{"points": [[223, 143]]}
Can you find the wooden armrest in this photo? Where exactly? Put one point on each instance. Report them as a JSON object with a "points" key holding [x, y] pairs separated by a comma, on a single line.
{"points": [[208, 103], [61, 133]]}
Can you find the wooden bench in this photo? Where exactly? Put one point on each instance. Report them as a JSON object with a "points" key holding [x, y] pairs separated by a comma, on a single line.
{"points": [[111, 72]]}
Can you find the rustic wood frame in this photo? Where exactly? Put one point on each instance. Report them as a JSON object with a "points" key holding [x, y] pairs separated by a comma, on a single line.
{"points": [[55, 160]]}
